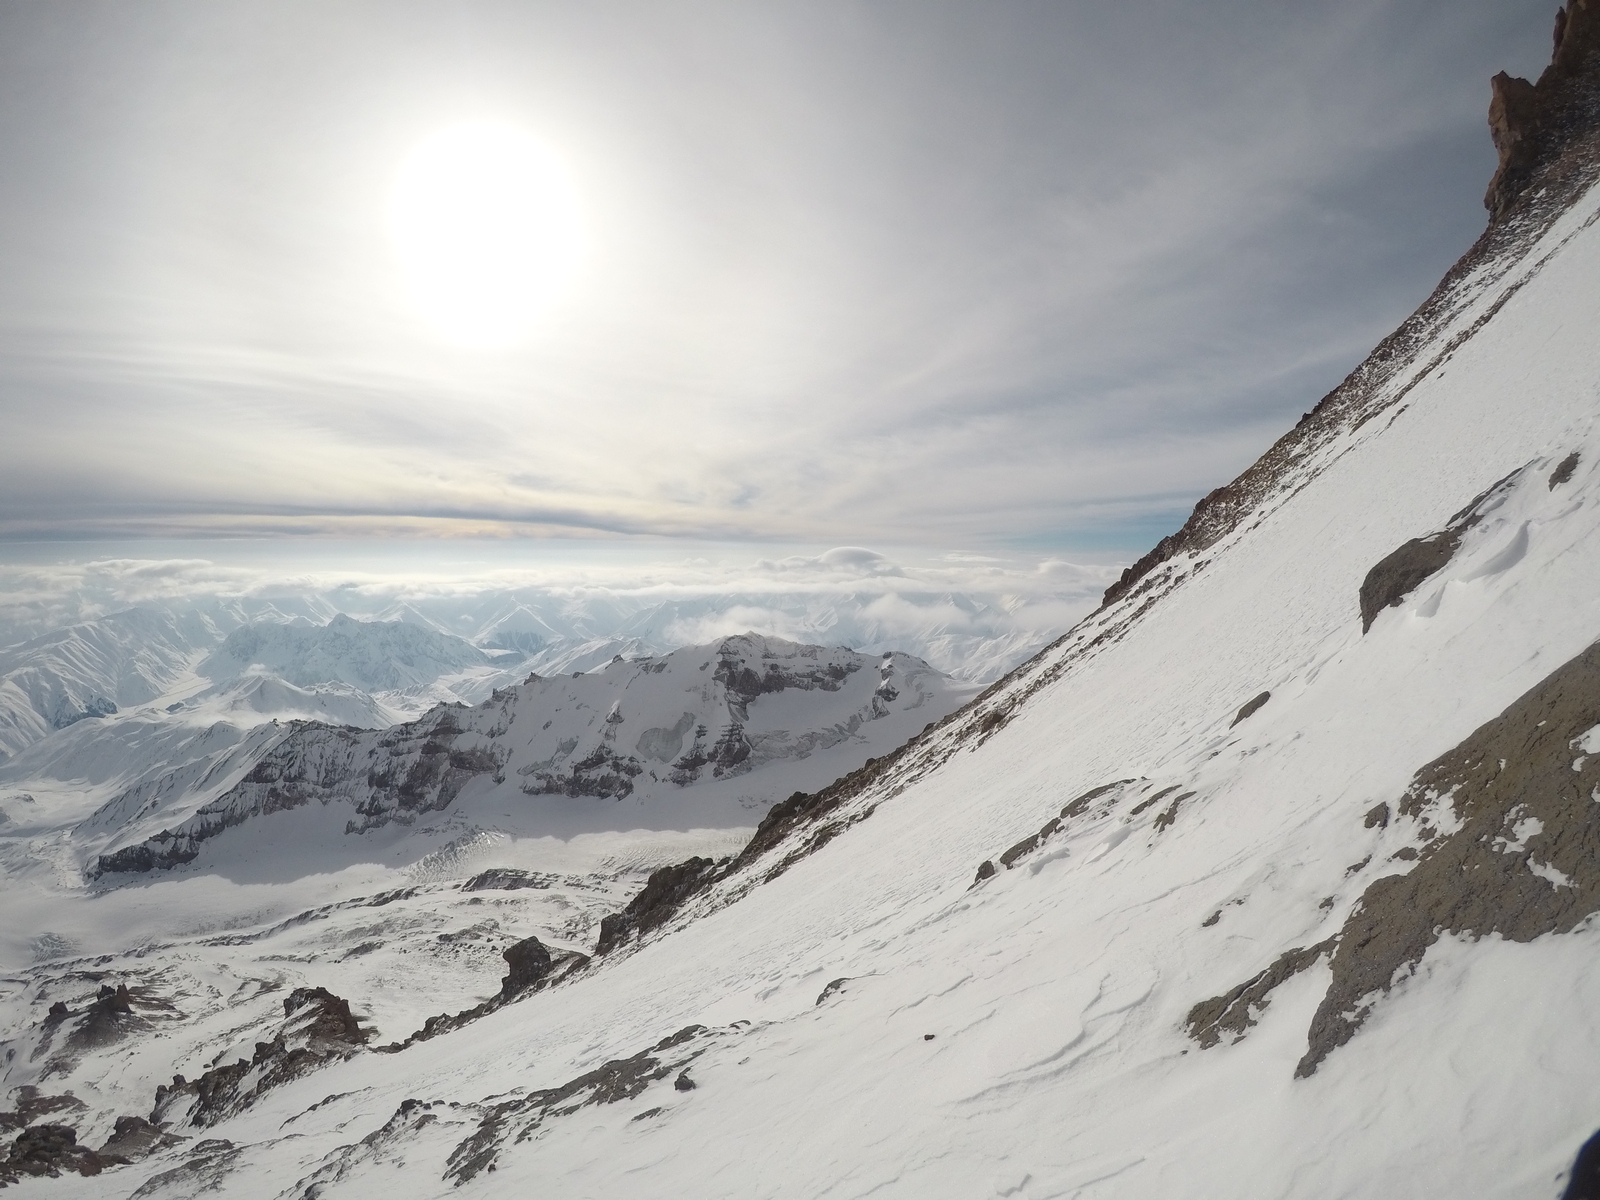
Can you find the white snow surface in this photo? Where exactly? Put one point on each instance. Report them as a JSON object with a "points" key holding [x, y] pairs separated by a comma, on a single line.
{"points": [[1022, 1038]]}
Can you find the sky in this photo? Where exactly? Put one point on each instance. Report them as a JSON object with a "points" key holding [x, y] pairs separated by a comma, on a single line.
{"points": [[1016, 280]]}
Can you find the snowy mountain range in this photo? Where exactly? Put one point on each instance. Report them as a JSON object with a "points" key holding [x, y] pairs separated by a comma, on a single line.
{"points": [[302, 655], [1277, 875]]}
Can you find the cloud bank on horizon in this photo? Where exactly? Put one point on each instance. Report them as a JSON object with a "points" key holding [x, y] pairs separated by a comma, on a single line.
{"points": [[969, 615], [1030, 275]]}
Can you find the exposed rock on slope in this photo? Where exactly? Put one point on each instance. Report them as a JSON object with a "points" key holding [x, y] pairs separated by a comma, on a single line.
{"points": [[1399, 574], [1509, 823], [317, 1029], [1509, 826]]}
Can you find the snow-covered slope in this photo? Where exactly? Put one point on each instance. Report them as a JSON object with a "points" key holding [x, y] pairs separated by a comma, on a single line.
{"points": [[94, 668], [704, 736], [1275, 877]]}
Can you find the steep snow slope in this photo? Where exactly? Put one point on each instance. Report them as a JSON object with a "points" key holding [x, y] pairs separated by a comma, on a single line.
{"points": [[1275, 877]]}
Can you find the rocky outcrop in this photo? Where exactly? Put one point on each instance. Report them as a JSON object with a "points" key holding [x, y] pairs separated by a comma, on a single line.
{"points": [[529, 962], [50, 1150], [1583, 1183], [1250, 708], [1402, 571], [1075, 807], [134, 1138], [619, 1079], [108, 1019], [31, 1104], [531, 967], [507, 879], [1235, 1011], [662, 895], [1531, 122], [1548, 138], [1522, 860], [318, 1028]]}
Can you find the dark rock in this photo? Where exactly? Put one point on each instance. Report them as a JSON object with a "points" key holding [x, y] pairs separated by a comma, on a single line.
{"points": [[505, 879], [1398, 573], [1152, 799], [58, 1011], [318, 1028], [323, 1017], [613, 1081], [529, 961], [1564, 470], [135, 1138], [1234, 1011], [1473, 882], [683, 1083], [1030, 843], [985, 870], [1080, 805], [662, 895], [833, 988], [1377, 817], [1166, 818], [1532, 122], [108, 1019], [115, 999], [50, 1150], [1251, 707], [1584, 1182], [1554, 153], [33, 1104]]}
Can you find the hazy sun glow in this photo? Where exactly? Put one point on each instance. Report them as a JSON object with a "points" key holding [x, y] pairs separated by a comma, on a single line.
{"points": [[487, 229]]}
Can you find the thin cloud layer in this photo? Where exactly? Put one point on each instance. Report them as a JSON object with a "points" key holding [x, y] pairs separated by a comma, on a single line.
{"points": [[851, 595], [898, 274]]}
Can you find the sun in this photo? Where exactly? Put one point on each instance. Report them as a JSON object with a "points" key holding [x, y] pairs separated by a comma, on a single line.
{"points": [[486, 226]]}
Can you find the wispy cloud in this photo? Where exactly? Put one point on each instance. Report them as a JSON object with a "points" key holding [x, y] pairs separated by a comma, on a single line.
{"points": [[942, 274]]}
